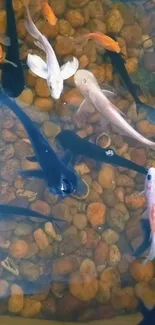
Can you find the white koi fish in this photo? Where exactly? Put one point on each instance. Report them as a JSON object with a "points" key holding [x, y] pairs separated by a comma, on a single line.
{"points": [[150, 197], [50, 70], [95, 98]]}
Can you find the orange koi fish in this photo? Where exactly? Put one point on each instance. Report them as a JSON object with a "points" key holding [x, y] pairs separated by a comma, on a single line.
{"points": [[101, 39], [48, 13]]}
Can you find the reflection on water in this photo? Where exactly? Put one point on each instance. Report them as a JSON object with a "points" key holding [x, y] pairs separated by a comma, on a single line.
{"points": [[86, 270]]}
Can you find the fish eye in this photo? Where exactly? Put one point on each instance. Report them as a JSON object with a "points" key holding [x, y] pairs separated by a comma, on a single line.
{"points": [[149, 177], [85, 81]]}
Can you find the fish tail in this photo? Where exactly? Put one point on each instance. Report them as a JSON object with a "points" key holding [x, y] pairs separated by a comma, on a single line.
{"points": [[151, 255], [30, 26], [149, 109]]}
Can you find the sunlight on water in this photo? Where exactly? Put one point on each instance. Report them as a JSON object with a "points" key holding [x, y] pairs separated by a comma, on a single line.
{"points": [[82, 269]]}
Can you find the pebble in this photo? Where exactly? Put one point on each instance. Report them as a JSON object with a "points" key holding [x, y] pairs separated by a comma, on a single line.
{"points": [[31, 308], [8, 136], [29, 270], [101, 253], [23, 229], [4, 287], [51, 129], [41, 206], [96, 213], [142, 272], [110, 236], [80, 221], [44, 104], [41, 239], [114, 255], [16, 300], [10, 169], [88, 266], [19, 249], [50, 231]]}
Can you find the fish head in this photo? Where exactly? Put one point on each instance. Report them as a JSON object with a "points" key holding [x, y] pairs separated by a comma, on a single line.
{"points": [[150, 181], [65, 186], [55, 86], [85, 80]]}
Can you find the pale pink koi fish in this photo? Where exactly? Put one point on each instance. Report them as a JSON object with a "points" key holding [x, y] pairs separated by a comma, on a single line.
{"points": [[150, 198], [95, 99]]}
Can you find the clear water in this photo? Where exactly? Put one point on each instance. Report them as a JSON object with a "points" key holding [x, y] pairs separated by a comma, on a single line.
{"points": [[86, 272]]}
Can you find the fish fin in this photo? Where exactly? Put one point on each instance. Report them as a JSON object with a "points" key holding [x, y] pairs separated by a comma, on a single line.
{"points": [[32, 158], [38, 44], [67, 157], [85, 109], [34, 173], [10, 62], [108, 90], [24, 65], [151, 255], [5, 40], [149, 109], [37, 65], [141, 193], [145, 224], [68, 69], [27, 141]]}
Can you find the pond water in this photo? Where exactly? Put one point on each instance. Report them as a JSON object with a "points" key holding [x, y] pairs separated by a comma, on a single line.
{"points": [[85, 271]]}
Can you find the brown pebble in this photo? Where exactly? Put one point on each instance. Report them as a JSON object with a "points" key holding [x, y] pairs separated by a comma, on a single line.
{"points": [[101, 253], [41, 206]]}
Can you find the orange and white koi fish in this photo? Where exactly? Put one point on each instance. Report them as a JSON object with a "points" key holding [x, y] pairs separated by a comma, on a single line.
{"points": [[48, 12], [101, 39]]}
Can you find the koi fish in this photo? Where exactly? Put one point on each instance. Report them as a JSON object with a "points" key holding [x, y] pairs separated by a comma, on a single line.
{"points": [[101, 39], [69, 140], [48, 13], [148, 314], [119, 65], [55, 172], [50, 70], [149, 192], [96, 99], [12, 80], [9, 211]]}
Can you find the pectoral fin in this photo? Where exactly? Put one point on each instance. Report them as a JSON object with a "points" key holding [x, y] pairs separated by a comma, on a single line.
{"points": [[146, 241], [85, 109], [34, 173], [67, 158], [141, 193], [32, 158], [37, 65], [108, 90], [68, 69]]}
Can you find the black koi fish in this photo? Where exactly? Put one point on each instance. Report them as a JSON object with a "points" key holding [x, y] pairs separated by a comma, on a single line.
{"points": [[69, 140], [119, 65], [59, 178], [12, 80]]}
